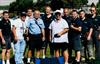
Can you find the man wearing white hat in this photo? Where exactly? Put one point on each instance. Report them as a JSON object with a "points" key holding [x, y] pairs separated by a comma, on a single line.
{"points": [[59, 36]]}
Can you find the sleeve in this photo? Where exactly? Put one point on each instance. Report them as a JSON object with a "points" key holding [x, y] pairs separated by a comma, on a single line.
{"points": [[65, 24], [0, 24], [50, 26], [28, 23], [42, 24], [15, 23], [79, 22], [12, 22], [90, 23]]}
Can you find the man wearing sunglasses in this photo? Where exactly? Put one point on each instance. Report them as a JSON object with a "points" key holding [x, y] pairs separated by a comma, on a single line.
{"points": [[96, 29]]}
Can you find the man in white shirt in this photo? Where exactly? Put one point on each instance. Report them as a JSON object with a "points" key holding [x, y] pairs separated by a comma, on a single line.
{"points": [[19, 28], [59, 36]]}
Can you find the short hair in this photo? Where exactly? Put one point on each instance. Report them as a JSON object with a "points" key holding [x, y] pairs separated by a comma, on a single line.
{"points": [[74, 11], [93, 7], [29, 9], [81, 11], [5, 12], [23, 14]]}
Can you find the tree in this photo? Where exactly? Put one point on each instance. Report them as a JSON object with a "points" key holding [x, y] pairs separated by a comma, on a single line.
{"points": [[20, 5]]}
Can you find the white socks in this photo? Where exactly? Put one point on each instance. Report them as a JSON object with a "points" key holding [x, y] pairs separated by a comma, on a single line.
{"points": [[43, 56], [3, 62], [28, 60], [66, 63], [7, 62]]}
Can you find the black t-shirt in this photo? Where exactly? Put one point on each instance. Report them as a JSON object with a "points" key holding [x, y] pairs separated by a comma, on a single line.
{"points": [[47, 20], [77, 23], [68, 19], [96, 22], [86, 25], [5, 26]]}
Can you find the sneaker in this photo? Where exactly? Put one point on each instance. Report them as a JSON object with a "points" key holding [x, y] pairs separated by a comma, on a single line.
{"points": [[43, 56], [3, 62], [77, 63], [91, 58], [83, 59], [66, 63]]}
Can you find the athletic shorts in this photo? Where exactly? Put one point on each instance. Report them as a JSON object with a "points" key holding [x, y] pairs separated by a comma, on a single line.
{"points": [[35, 41], [7, 44], [63, 46]]}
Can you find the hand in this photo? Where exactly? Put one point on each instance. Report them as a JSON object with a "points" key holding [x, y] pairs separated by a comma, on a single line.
{"points": [[3, 41], [57, 35], [99, 37], [71, 26], [16, 39], [27, 38], [88, 38], [43, 38]]}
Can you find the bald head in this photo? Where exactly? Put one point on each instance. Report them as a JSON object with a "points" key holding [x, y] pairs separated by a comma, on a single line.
{"points": [[66, 11], [36, 14]]}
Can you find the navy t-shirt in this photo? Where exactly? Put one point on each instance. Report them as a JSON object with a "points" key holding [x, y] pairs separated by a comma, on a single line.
{"points": [[5, 26], [86, 25], [47, 20], [77, 23]]}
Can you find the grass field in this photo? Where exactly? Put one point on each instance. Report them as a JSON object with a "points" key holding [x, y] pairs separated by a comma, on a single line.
{"points": [[48, 56]]}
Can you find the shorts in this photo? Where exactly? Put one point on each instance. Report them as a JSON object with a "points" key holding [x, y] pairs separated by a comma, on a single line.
{"points": [[7, 44], [35, 41], [77, 44], [63, 46]]}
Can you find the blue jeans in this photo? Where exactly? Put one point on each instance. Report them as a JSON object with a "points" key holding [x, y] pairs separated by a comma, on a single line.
{"points": [[19, 50]]}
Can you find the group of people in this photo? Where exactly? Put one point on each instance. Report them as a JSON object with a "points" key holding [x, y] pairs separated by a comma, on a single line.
{"points": [[62, 32]]}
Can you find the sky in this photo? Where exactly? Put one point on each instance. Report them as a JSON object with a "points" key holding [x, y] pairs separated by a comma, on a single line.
{"points": [[91, 1], [5, 2]]}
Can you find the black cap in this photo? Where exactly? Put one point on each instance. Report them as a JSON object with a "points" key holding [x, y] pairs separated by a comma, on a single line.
{"points": [[23, 14]]}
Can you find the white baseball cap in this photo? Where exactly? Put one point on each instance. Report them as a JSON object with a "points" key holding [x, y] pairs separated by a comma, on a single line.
{"points": [[59, 11]]}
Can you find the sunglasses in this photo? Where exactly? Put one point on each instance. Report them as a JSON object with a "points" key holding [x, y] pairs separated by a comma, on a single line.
{"points": [[92, 10]]}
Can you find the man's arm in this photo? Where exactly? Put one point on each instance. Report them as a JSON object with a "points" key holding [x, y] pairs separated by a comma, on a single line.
{"points": [[2, 38], [43, 34], [14, 33], [76, 28], [63, 32], [90, 33]]}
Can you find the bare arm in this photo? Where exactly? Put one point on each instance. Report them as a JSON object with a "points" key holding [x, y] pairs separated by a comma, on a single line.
{"points": [[90, 32], [63, 32], [14, 32], [43, 34], [2, 38], [76, 28]]}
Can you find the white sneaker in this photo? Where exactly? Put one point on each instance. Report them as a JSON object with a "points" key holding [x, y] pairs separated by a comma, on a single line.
{"points": [[66, 63], [7, 62], [43, 56], [3, 62]]}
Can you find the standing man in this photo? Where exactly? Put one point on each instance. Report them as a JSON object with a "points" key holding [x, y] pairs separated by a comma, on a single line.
{"points": [[47, 19], [87, 44], [5, 35], [66, 15], [28, 17], [36, 34], [96, 29], [59, 36], [68, 18], [75, 33], [19, 28]]}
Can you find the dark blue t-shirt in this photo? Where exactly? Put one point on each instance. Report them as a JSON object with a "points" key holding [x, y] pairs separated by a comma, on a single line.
{"points": [[77, 23], [86, 25]]}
